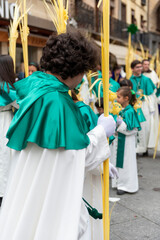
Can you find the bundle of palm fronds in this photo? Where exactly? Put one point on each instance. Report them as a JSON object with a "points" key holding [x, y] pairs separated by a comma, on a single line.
{"points": [[58, 14], [24, 32], [13, 33]]}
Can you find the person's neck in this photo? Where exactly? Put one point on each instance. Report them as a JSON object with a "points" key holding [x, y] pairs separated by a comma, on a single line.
{"points": [[136, 75], [124, 105], [66, 82]]}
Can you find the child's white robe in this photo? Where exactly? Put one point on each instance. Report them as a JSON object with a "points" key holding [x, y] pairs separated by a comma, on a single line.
{"points": [[128, 179]]}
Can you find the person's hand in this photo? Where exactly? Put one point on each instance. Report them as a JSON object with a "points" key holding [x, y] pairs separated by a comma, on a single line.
{"points": [[108, 124], [113, 171], [119, 120]]}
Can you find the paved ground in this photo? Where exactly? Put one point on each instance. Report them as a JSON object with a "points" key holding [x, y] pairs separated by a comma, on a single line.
{"points": [[137, 216]]}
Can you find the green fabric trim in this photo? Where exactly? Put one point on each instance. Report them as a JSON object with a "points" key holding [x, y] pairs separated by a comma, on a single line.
{"points": [[140, 115], [47, 115], [113, 85], [89, 116], [93, 212], [130, 117], [5, 97], [142, 83], [120, 150], [111, 139], [158, 92]]}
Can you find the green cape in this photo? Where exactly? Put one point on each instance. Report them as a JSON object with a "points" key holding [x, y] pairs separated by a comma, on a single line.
{"points": [[144, 83], [89, 116], [113, 85], [47, 115], [5, 97], [140, 115], [96, 86], [158, 92], [130, 117]]}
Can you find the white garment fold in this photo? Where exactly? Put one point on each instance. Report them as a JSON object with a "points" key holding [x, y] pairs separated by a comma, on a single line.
{"points": [[128, 177], [6, 116], [44, 192]]}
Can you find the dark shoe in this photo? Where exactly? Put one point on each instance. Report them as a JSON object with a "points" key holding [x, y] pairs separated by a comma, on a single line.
{"points": [[145, 154], [120, 192], [1, 201]]}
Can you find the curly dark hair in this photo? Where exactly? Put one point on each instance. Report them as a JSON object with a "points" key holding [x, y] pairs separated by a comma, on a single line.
{"points": [[68, 55]]}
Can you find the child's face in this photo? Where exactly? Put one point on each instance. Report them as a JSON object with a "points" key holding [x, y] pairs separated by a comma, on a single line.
{"points": [[122, 100], [100, 110]]}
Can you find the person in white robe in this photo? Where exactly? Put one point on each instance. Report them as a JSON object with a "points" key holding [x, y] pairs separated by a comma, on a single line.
{"points": [[155, 115], [51, 146], [145, 90], [150, 73], [124, 147]]}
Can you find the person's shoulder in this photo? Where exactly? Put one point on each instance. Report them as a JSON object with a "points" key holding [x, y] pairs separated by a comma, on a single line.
{"points": [[56, 97], [145, 78], [129, 110]]}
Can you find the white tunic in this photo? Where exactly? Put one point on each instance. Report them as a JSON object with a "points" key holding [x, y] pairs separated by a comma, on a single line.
{"points": [[148, 134], [128, 178], [153, 76], [5, 120], [93, 194], [44, 193]]}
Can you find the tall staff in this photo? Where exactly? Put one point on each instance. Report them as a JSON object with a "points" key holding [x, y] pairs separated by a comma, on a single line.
{"points": [[24, 31], [13, 34], [105, 74]]}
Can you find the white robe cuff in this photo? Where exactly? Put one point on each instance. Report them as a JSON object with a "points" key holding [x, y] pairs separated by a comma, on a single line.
{"points": [[98, 150]]}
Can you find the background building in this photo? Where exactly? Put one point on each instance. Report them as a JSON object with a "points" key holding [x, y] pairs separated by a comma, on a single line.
{"points": [[85, 15], [154, 25], [40, 28]]}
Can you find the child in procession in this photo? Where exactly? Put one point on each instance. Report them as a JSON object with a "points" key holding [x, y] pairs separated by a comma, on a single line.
{"points": [[124, 146]]}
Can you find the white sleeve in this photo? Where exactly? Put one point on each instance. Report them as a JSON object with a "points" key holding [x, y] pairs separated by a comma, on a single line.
{"points": [[98, 150], [156, 79], [151, 99], [123, 129]]}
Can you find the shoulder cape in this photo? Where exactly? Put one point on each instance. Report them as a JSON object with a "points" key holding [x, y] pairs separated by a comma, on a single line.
{"points": [[5, 96], [144, 83], [114, 86], [47, 115], [130, 117]]}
